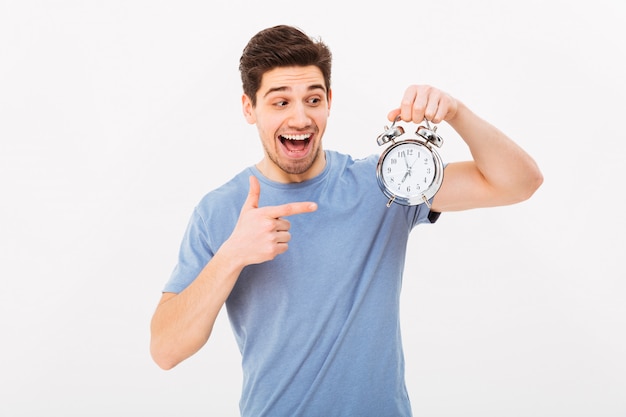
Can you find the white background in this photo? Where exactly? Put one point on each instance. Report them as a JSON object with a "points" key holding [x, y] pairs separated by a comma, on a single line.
{"points": [[117, 116]]}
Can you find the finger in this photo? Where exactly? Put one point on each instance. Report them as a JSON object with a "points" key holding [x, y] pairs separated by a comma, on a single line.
{"points": [[404, 111], [408, 104], [421, 104], [432, 107], [441, 113], [282, 225], [252, 201], [283, 237], [393, 114], [291, 209]]}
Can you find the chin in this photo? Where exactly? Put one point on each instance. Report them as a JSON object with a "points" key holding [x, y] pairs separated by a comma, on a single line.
{"points": [[299, 166]]}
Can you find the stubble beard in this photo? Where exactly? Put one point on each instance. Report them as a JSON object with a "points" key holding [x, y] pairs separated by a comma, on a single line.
{"points": [[294, 167]]}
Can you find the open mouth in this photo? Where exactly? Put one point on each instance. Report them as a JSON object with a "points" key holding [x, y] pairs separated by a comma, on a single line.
{"points": [[295, 143]]}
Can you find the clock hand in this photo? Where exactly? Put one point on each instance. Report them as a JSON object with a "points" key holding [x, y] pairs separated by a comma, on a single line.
{"points": [[406, 174], [408, 168]]}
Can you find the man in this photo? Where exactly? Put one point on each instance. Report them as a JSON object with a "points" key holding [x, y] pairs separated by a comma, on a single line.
{"points": [[314, 299]]}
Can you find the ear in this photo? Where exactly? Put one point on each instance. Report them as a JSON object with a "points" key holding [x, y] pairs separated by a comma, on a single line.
{"points": [[330, 99], [248, 109]]}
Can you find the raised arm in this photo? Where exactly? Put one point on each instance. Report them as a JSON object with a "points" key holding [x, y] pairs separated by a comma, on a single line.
{"points": [[500, 173]]}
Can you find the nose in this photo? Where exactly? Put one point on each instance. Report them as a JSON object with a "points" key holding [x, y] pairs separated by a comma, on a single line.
{"points": [[299, 117]]}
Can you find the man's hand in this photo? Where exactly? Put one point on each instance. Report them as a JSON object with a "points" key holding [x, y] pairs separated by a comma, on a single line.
{"points": [[262, 233], [424, 101]]}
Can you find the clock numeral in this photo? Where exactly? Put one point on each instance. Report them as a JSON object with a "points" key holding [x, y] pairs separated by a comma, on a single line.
{"points": [[405, 152], [393, 161]]}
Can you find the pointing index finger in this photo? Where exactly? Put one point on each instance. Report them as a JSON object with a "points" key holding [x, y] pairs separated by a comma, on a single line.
{"points": [[291, 209]]}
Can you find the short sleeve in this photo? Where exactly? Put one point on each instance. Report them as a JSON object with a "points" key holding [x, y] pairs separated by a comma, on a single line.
{"points": [[193, 255]]}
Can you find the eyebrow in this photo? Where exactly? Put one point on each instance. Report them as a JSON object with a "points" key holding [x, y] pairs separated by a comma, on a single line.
{"points": [[285, 88]]}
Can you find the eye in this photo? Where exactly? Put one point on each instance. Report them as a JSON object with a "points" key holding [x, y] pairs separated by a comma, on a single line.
{"points": [[281, 103], [314, 100]]}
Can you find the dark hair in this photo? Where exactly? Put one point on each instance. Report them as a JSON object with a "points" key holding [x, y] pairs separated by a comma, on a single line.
{"points": [[281, 46]]}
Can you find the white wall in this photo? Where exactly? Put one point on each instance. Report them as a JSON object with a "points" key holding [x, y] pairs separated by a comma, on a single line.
{"points": [[117, 116]]}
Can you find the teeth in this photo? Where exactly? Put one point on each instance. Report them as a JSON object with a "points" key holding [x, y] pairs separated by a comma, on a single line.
{"points": [[296, 137]]}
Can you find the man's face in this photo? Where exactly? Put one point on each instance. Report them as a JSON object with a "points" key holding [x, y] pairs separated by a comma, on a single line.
{"points": [[290, 114]]}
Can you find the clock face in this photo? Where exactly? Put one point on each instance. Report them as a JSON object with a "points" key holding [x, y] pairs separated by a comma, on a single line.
{"points": [[409, 172]]}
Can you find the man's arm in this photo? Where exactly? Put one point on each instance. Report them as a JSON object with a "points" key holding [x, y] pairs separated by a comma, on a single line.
{"points": [[500, 173], [182, 323]]}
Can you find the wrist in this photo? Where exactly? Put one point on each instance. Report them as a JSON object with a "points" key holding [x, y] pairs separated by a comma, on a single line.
{"points": [[229, 258]]}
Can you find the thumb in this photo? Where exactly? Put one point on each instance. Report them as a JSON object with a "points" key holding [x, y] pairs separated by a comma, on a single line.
{"points": [[252, 201], [393, 114]]}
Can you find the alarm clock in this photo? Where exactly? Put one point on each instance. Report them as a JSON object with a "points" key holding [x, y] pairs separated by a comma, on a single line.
{"points": [[410, 170]]}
